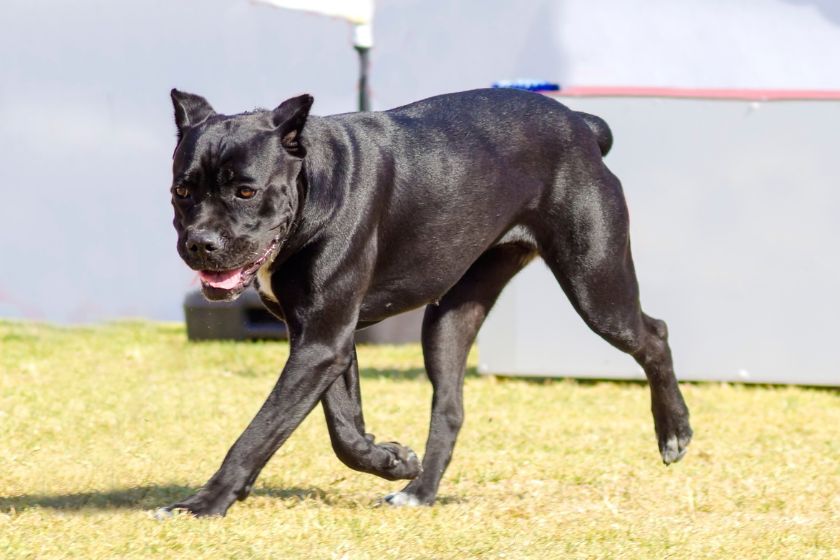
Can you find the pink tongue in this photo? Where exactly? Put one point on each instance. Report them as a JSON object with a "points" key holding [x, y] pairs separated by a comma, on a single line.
{"points": [[225, 280]]}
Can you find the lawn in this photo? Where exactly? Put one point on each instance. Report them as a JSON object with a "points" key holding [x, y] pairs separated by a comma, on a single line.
{"points": [[100, 425]]}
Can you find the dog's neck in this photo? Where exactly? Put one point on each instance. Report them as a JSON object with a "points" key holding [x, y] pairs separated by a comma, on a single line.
{"points": [[319, 194], [320, 184], [300, 231]]}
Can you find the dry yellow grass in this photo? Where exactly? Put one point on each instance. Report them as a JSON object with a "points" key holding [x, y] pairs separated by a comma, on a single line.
{"points": [[98, 426]]}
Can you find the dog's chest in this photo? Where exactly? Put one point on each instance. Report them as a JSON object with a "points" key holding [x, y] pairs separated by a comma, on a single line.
{"points": [[264, 283]]}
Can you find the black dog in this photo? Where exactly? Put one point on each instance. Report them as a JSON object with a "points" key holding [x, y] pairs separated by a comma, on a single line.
{"points": [[346, 220]]}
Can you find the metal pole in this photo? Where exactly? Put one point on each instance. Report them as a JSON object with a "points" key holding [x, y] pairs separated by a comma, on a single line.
{"points": [[364, 95]]}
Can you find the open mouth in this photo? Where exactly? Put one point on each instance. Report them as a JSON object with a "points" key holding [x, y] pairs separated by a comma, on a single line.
{"points": [[226, 284]]}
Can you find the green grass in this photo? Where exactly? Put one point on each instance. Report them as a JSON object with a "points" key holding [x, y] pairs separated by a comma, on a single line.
{"points": [[98, 426]]}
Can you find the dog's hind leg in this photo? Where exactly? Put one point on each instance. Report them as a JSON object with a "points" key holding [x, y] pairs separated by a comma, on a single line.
{"points": [[449, 329], [588, 250], [342, 404]]}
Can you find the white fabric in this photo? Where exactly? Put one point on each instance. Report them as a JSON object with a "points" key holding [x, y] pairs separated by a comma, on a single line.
{"points": [[354, 11]]}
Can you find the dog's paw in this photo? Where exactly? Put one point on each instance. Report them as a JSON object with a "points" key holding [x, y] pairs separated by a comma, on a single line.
{"points": [[162, 513], [402, 499], [403, 463], [197, 505], [674, 440]]}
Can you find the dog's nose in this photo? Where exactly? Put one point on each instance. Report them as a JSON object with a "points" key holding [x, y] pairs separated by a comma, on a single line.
{"points": [[203, 242]]}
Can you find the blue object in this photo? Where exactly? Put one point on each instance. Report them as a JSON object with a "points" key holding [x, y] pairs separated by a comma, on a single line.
{"points": [[527, 85]]}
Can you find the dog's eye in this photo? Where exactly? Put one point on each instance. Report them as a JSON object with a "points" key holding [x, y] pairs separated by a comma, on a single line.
{"points": [[182, 192], [245, 192]]}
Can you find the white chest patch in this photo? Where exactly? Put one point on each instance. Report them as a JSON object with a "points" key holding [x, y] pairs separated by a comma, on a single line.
{"points": [[264, 282]]}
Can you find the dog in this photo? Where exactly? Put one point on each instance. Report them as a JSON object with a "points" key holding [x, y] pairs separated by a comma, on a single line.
{"points": [[342, 221]]}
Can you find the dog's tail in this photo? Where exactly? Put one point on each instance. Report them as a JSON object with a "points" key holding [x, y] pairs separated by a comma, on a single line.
{"points": [[600, 129]]}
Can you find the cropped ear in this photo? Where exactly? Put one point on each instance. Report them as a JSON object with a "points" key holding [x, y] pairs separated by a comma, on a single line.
{"points": [[288, 119], [190, 110]]}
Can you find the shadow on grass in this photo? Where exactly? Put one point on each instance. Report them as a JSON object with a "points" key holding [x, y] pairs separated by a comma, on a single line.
{"points": [[408, 374], [153, 496], [139, 498], [595, 381]]}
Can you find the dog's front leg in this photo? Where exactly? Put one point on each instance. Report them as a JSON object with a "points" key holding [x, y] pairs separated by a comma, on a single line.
{"points": [[342, 404], [312, 367]]}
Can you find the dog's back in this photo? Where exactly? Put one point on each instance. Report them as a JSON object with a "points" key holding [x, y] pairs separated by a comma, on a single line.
{"points": [[497, 122]]}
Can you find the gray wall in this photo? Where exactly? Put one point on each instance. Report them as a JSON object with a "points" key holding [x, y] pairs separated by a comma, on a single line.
{"points": [[85, 126], [734, 223]]}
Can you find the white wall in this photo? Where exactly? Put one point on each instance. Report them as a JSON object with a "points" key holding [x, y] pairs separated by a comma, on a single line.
{"points": [[85, 125]]}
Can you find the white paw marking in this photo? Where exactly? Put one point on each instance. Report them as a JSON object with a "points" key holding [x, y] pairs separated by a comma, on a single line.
{"points": [[401, 499], [160, 514]]}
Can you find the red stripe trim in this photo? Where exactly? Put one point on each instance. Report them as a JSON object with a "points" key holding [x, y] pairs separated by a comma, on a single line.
{"points": [[741, 94]]}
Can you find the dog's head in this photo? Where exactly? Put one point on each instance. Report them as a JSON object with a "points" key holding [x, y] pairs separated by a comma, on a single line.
{"points": [[234, 188]]}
